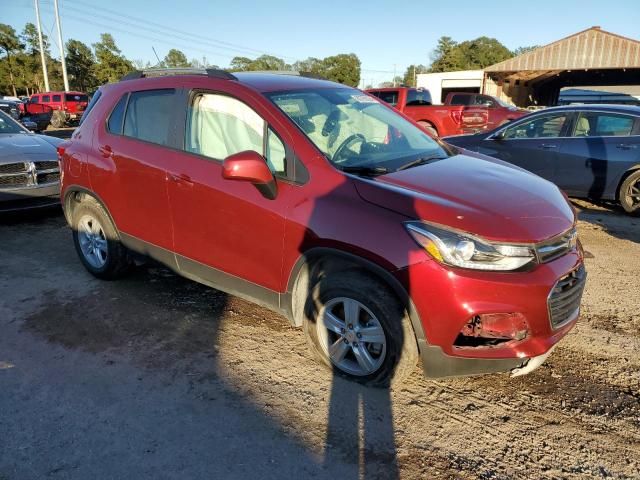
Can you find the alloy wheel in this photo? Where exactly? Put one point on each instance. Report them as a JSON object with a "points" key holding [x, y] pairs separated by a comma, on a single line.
{"points": [[351, 336], [93, 242], [633, 195]]}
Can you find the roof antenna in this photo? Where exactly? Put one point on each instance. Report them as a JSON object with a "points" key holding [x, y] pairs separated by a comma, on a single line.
{"points": [[156, 54]]}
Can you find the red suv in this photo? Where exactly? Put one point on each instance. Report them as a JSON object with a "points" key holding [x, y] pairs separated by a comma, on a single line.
{"points": [[67, 106], [324, 204]]}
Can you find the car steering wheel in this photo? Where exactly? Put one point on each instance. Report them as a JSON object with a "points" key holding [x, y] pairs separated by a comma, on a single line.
{"points": [[349, 140]]}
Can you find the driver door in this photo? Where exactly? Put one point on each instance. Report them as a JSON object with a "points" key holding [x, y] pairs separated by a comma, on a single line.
{"points": [[226, 232], [533, 143]]}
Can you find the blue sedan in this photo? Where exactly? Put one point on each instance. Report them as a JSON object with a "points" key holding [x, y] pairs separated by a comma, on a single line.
{"points": [[589, 151]]}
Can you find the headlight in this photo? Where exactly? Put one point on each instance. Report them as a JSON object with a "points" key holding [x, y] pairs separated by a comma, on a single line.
{"points": [[459, 249]]}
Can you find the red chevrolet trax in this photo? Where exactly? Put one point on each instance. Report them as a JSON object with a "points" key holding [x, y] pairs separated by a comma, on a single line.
{"points": [[325, 204]]}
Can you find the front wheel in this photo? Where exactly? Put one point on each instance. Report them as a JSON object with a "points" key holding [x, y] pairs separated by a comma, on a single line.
{"points": [[359, 329], [629, 195]]}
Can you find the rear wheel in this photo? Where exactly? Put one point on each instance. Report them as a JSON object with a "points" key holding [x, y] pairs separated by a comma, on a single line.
{"points": [[97, 242], [358, 328], [629, 195], [58, 119], [429, 128]]}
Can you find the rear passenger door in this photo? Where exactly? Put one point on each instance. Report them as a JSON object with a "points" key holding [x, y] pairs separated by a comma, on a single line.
{"points": [[133, 154], [601, 147], [226, 233]]}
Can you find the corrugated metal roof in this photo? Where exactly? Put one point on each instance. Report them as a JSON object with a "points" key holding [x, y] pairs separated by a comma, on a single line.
{"points": [[590, 49]]}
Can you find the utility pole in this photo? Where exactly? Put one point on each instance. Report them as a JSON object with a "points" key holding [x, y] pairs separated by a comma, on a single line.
{"points": [[62, 59], [44, 63], [394, 73]]}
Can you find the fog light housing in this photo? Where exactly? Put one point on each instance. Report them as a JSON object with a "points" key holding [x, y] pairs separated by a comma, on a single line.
{"points": [[490, 330]]}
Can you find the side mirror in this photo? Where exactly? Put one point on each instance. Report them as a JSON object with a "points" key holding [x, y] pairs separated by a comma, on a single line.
{"points": [[250, 166], [498, 137]]}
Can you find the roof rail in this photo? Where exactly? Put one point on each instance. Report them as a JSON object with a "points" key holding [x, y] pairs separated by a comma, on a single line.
{"points": [[163, 72], [288, 72]]}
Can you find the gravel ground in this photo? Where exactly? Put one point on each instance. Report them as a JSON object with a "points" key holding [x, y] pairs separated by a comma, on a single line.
{"points": [[158, 377]]}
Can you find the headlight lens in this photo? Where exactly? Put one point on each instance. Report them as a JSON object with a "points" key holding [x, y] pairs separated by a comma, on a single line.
{"points": [[459, 249]]}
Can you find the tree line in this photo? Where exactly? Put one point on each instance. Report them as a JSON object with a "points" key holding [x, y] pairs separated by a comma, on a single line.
{"points": [[91, 66]]}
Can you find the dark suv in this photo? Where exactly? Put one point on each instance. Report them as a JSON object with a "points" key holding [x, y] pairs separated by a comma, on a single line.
{"points": [[324, 204]]}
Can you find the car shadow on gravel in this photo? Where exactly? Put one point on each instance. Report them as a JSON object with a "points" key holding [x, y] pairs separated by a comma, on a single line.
{"points": [[610, 218]]}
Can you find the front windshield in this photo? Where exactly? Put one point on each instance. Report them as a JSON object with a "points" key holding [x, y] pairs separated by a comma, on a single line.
{"points": [[353, 129], [9, 125]]}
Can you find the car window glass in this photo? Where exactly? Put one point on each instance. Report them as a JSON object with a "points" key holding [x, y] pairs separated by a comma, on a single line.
{"points": [[390, 97], [275, 154], [543, 126], [219, 126], [46, 98], [485, 100], [417, 98], [114, 124], [149, 115], [460, 100], [92, 103], [34, 100], [600, 124], [56, 98]]}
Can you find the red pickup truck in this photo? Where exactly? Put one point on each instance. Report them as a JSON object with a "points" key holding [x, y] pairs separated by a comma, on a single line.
{"points": [[462, 112]]}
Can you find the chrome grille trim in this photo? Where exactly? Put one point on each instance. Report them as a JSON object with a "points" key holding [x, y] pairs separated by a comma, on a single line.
{"points": [[563, 302], [19, 175], [556, 246]]}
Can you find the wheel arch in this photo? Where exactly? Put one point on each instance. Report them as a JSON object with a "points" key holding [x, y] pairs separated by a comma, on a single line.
{"points": [[74, 195], [320, 261], [630, 171]]}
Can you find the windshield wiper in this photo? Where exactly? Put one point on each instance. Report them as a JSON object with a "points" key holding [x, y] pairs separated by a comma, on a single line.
{"points": [[363, 170], [419, 161]]}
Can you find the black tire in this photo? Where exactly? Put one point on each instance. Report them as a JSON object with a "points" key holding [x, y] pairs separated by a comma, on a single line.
{"points": [[401, 347], [117, 261], [630, 186]]}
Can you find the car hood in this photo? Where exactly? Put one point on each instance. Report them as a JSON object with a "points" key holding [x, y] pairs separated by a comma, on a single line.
{"points": [[476, 194], [21, 147]]}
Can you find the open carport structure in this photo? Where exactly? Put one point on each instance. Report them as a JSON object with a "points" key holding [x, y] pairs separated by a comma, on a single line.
{"points": [[590, 57]]}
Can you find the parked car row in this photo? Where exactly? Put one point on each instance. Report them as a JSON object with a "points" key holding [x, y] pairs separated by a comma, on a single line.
{"points": [[329, 206], [461, 113]]}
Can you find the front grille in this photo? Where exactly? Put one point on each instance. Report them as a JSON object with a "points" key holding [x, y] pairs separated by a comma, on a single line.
{"points": [[27, 174], [13, 168], [12, 181], [564, 299], [557, 246], [47, 165], [48, 177]]}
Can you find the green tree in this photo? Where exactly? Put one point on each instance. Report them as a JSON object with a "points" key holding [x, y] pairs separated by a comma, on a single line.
{"points": [[175, 59], [410, 74], [80, 65], [470, 54], [521, 50], [310, 65], [10, 43], [239, 64], [110, 65], [343, 68], [29, 37]]}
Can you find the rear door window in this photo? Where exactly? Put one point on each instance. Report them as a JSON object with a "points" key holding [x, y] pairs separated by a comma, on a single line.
{"points": [[602, 124], [418, 98], [46, 98], [461, 99], [57, 98], [149, 115]]}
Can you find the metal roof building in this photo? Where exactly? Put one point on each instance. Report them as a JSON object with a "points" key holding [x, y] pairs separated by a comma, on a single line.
{"points": [[590, 57]]}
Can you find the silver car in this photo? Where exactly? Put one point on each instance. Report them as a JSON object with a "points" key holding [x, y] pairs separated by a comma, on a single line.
{"points": [[29, 169]]}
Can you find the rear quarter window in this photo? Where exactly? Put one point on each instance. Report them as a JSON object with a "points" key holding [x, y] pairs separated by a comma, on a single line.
{"points": [[94, 101], [114, 124]]}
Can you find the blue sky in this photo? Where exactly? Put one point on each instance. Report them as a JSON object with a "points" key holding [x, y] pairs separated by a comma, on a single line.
{"points": [[384, 34]]}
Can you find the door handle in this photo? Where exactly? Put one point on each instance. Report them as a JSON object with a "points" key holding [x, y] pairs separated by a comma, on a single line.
{"points": [[105, 151], [182, 178], [625, 146], [548, 146]]}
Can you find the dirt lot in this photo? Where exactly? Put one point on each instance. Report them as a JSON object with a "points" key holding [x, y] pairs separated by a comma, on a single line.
{"points": [[157, 377]]}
